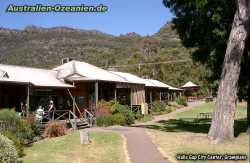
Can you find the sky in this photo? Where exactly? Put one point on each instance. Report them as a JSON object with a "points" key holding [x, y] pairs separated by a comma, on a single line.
{"points": [[144, 17]]}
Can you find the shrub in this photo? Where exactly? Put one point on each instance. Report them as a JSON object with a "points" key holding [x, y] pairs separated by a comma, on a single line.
{"points": [[15, 124], [181, 101], [31, 120], [55, 129], [16, 142], [158, 106], [138, 116], [104, 120], [104, 107], [8, 152], [145, 118], [125, 111], [169, 109], [109, 120], [118, 119]]}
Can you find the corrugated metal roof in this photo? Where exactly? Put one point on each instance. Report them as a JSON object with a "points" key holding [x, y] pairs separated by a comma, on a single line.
{"points": [[35, 76], [131, 78], [189, 84], [157, 83], [73, 71], [136, 79], [174, 88], [85, 71]]}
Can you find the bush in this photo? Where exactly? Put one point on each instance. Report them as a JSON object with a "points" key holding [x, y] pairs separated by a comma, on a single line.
{"points": [[145, 118], [121, 115], [109, 120], [16, 142], [104, 120], [104, 107], [169, 109], [8, 152], [55, 129], [158, 106], [118, 119], [15, 124], [181, 101], [125, 111], [31, 120], [138, 116]]}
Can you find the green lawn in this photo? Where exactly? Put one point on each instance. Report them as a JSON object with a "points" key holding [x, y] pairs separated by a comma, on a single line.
{"points": [[188, 122], [185, 133], [105, 148], [241, 111]]}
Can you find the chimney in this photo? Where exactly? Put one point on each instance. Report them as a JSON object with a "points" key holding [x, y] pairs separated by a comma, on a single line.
{"points": [[66, 60]]}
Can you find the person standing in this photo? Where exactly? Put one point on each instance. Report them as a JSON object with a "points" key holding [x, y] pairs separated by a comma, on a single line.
{"points": [[51, 110], [23, 109]]}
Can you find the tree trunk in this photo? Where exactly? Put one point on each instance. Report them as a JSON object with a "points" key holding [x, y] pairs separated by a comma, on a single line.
{"points": [[248, 107], [222, 126]]}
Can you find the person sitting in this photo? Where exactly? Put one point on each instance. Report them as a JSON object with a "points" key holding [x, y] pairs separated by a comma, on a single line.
{"points": [[39, 114]]}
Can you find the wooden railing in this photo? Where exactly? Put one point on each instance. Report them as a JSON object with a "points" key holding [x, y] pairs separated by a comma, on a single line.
{"points": [[7, 126], [136, 108], [2, 126], [72, 118], [85, 114]]}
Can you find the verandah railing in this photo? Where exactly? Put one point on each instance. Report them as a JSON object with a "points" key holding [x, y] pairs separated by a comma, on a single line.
{"points": [[72, 118]]}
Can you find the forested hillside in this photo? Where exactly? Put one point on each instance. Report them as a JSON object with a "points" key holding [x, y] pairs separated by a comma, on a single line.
{"points": [[45, 47]]}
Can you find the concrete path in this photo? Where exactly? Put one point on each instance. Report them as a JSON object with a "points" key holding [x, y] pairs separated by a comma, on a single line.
{"points": [[158, 118], [139, 145]]}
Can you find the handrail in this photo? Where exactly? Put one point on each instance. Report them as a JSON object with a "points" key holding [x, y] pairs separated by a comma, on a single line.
{"points": [[74, 102], [85, 110], [65, 113], [74, 117]]}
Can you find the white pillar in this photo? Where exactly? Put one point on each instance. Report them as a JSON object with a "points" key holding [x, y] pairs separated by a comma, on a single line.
{"points": [[115, 94]]}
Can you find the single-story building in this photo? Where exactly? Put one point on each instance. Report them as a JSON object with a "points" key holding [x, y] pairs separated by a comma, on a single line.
{"points": [[96, 84], [25, 85], [75, 85], [152, 90]]}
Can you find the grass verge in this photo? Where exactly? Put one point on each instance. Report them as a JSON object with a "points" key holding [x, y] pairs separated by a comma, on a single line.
{"points": [[185, 133], [173, 143], [105, 147]]}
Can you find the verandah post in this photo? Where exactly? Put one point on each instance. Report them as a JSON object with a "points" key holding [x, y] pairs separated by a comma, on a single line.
{"points": [[160, 96], [151, 97], [28, 100], [115, 93], [131, 98], [96, 94]]}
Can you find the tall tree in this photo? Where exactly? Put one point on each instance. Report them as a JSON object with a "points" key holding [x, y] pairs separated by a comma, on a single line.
{"points": [[222, 126], [248, 108], [206, 25]]}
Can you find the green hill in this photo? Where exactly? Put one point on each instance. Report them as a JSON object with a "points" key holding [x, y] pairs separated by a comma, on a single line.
{"points": [[45, 47]]}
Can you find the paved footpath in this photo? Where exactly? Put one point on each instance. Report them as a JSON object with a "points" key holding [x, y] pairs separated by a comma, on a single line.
{"points": [[139, 145], [168, 116]]}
